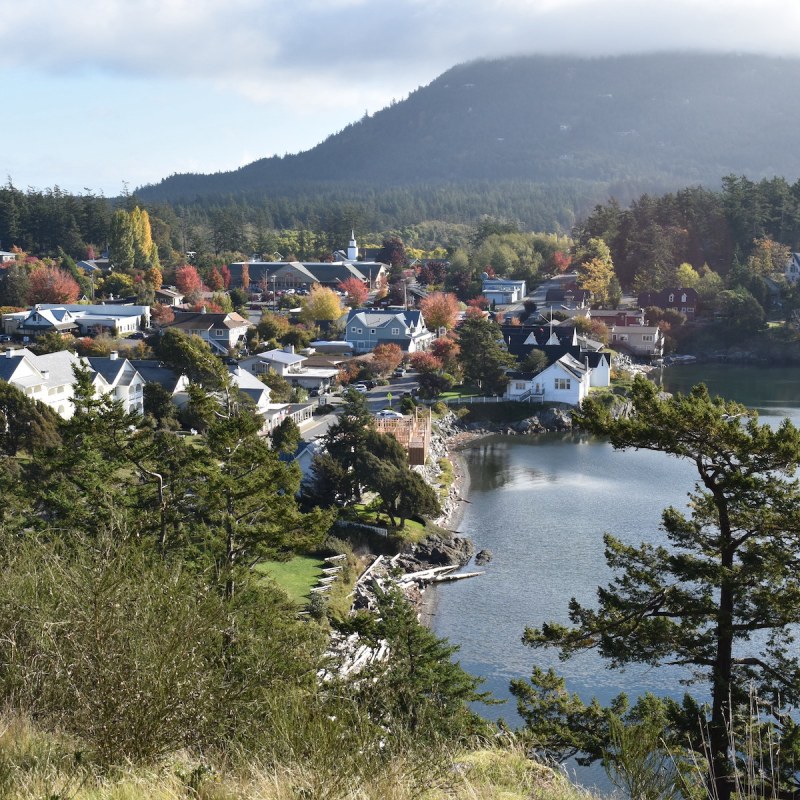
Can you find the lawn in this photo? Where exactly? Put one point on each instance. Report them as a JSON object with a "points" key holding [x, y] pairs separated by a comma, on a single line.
{"points": [[295, 577], [460, 391]]}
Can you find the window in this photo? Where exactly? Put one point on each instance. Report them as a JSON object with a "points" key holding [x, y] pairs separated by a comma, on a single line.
{"points": [[219, 333], [519, 384], [672, 298], [395, 331], [683, 297], [647, 337], [563, 383], [359, 330], [353, 329], [372, 331]]}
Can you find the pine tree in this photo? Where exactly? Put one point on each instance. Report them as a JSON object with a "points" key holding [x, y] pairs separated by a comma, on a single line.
{"points": [[727, 573]]}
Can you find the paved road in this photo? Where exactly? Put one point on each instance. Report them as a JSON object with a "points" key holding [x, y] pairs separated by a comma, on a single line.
{"points": [[377, 399]]}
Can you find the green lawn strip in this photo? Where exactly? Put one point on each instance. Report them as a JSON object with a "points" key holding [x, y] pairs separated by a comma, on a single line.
{"points": [[412, 531], [296, 576], [460, 391]]}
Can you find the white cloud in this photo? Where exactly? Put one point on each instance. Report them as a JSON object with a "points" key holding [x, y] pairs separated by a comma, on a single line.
{"points": [[293, 72]]}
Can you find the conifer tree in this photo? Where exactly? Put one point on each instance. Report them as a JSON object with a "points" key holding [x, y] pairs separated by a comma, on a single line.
{"points": [[722, 596]]}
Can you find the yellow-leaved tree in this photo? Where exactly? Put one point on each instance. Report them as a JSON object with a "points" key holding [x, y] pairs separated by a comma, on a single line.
{"points": [[321, 305]]}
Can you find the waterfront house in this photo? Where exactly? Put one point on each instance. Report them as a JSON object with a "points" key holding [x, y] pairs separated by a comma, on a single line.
{"points": [[567, 380], [672, 298], [645, 341]]}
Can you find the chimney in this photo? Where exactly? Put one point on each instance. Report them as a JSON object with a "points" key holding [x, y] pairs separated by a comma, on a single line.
{"points": [[46, 374], [113, 355], [9, 353], [289, 348]]}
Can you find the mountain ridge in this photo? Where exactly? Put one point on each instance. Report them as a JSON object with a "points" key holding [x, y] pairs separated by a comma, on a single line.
{"points": [[670, 119]]}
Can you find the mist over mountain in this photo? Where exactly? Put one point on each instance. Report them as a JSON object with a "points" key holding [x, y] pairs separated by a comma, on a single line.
{"points": [[658, 121]]}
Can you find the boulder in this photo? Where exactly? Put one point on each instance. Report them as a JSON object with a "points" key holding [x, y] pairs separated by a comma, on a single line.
{"points": [[438, 551], [483, 557]]}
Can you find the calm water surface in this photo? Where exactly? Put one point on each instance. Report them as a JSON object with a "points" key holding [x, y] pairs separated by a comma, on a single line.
{"points": [[541, 505]]}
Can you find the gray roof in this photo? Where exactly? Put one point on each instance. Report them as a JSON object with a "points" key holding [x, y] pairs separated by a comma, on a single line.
{"points": [[155, 372], [109, 368]]}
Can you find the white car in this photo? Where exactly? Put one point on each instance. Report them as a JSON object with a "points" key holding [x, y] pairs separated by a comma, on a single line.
{"points": [[388, 413], [360, 388]]}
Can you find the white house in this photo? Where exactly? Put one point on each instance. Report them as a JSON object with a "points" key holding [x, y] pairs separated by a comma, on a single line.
{"points": [[503, 292], [117, 378], [175, 383], [292, 367], [223, 332], [77, 319], [565, 381], [6, 257], [47, 378], [50, 378]]}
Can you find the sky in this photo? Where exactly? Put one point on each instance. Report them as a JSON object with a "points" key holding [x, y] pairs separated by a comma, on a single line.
{"points": [[104, 96]]}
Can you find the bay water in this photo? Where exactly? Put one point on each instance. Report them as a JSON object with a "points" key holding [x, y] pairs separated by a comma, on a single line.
{"points": [[541, 505]]}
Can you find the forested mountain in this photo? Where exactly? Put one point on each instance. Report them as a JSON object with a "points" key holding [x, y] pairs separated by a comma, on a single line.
{"points": [[618, 126]]}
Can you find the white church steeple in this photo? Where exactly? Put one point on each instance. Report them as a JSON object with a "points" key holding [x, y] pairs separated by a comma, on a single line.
{"points": [[352, 248]]}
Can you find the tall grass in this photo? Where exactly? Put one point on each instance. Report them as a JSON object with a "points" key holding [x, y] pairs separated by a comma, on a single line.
{"points": [[48, 767]]}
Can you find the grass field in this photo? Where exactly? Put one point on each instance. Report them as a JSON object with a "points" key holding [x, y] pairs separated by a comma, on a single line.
{"points": [[295, 577]]}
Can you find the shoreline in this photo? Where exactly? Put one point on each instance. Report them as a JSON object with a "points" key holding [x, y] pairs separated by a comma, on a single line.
{"points": [[452, 519]]}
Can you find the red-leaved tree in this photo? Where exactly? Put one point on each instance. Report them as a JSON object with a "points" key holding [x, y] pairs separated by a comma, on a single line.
{"points": [[357, 291], [386, 357], [214, 280], [162, 315], [188, 280], [52, 285], [440, 310], [226, 276]]}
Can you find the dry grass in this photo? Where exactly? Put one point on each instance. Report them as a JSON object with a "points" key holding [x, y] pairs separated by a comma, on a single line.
{"points": [[34, 766]]}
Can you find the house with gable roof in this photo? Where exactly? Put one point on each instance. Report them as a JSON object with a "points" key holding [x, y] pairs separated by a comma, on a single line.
{"points": [[222, 332], [365, 329], [47, 378], [291, 366], [118, 378], [50, 378], [176, 384], [567, 380]]}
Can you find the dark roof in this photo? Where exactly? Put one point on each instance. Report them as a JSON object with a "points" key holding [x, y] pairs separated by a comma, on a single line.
{"points": [[561, 295], [109, 368], [155, 372]]}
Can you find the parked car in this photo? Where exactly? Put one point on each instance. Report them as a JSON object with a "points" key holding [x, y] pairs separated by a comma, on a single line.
{"points": [[370, 384], [399, 373], [388, 413], [361, 388], [136, 335], [4, 338]]}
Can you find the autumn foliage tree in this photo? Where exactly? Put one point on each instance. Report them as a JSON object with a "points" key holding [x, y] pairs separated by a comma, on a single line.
{"points": [[162, 315], [188, 280], [357, 292], [386, 357], [322, 305], [49, 284], [214, 280], [440, 310]]}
